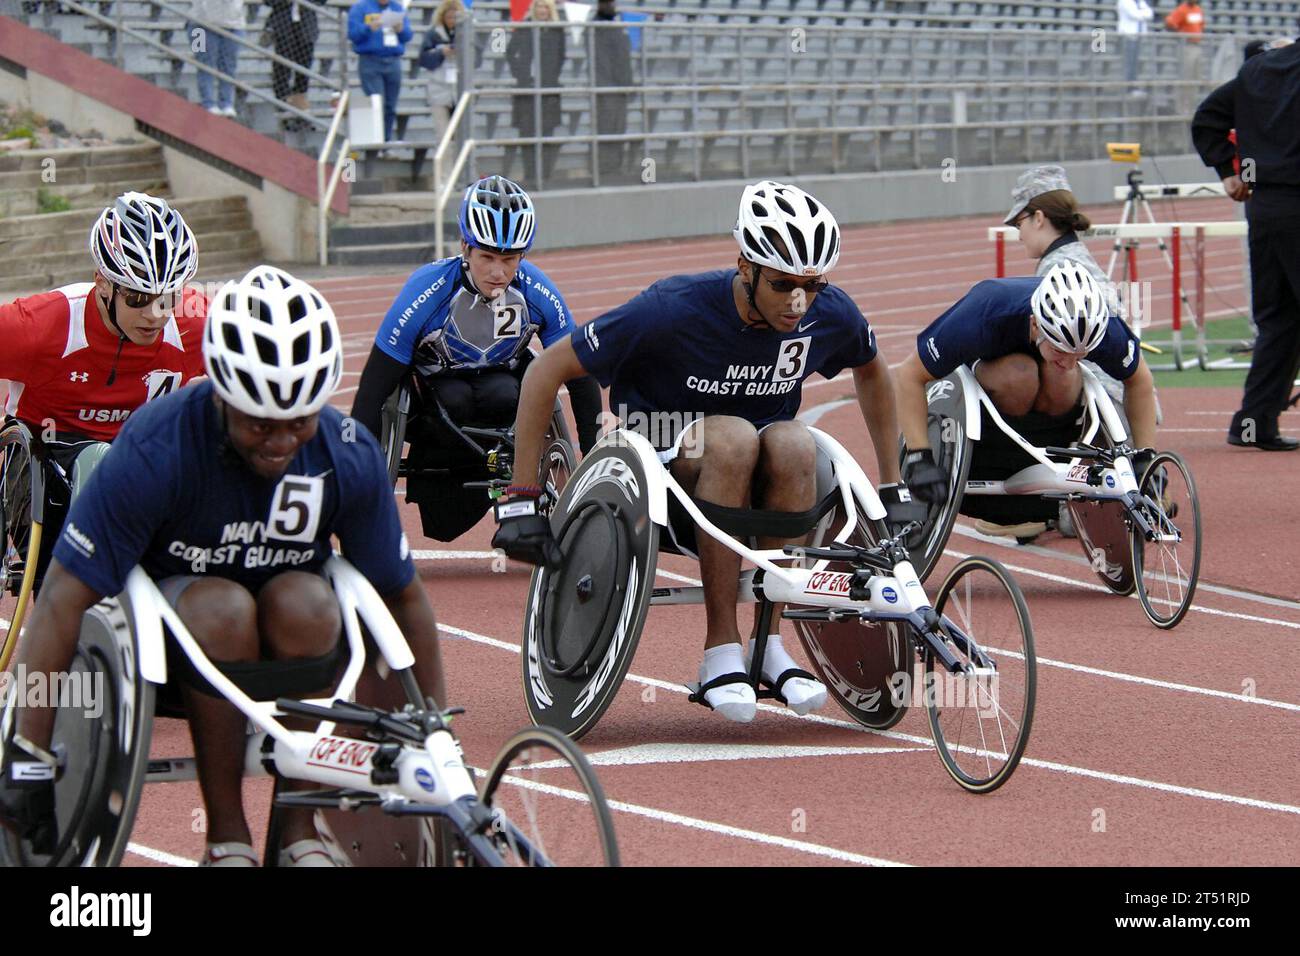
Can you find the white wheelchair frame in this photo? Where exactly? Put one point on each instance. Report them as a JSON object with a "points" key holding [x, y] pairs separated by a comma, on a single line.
{"points": [[882, 588]]}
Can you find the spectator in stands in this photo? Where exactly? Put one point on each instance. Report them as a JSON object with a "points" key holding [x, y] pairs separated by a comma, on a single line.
{"points": [[217, 51], [612, 53], [1134, 15], [550, 41], [1266, 89], [438, 56], [293, 30], [1188, 19], [379, 42]]}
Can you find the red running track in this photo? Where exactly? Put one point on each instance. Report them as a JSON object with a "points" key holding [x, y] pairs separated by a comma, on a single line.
{"points": [[1178, 743]]}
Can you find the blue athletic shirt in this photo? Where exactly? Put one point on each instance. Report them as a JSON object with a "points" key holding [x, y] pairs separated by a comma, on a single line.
{"points": [[680, 347], [452, 326], [992, 320], [167, 499]]}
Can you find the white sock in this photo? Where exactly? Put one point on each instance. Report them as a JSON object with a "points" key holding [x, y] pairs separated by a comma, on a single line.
{"points": [[802, 694], [733, 701]]}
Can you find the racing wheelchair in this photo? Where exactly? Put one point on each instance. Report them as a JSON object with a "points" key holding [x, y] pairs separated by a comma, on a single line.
{"points": [[1139, 532], [861, 612], [402, 761], [37, 482], [482, 458]]}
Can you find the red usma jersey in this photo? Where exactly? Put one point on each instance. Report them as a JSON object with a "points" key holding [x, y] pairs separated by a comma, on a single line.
{"points": [[57, 355]]}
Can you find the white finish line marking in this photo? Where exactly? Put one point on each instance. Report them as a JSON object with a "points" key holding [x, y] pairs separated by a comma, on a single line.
{"points": [[159, 856]]}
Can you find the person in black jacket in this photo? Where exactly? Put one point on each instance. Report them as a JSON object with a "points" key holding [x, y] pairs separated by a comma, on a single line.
{"points": [[1262, 104], [550, 41], [613, 66], [294, 29]]}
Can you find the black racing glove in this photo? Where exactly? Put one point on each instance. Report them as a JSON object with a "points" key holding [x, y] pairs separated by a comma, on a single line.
{"points": [[1140, 459], [27, 797], [926, 480], [524, 533], [901, 508]]}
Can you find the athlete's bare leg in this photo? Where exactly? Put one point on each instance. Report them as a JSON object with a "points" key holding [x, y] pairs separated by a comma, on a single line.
{"points": [[719, 470], [785, 480]]}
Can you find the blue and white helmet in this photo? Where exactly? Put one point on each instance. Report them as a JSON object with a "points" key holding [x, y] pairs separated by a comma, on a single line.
{"points": [[496, 214]]}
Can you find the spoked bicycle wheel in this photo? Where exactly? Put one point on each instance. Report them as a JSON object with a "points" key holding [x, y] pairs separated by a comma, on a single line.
{"points": [[980, 717], [19, 539], [1166, 568], [548, 807]]}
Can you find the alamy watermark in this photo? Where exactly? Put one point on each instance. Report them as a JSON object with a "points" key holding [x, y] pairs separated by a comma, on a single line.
{"points": [[74, 690]]}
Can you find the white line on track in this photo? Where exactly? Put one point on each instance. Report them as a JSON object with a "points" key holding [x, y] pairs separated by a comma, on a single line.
{"points": [[642, 754], [1089, 586], [1105, 776], [159, 856], [1083, 562], [723, 829]]}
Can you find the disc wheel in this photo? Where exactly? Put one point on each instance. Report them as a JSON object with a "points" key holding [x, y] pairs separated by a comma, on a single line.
{"points": [[980, 716], [548, 807], [864, 665], [1102, 530], [20, 540], [104, 724], [1167, 568], [952, 449], [584, 617]]}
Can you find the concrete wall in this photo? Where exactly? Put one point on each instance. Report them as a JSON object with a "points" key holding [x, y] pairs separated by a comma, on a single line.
{"points": [[285, 221], [585, 217]]}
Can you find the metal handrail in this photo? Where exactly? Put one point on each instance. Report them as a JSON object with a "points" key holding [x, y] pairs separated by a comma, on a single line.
{"points": [[325, 193], [441, 196], [448, 136], [185, 57]]}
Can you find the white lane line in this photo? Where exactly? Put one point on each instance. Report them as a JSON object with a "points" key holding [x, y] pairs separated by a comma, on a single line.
{"points": [[813, 415], [456, 555], [1152, 682], [1079, 559], [1088, 586], [660, 753], [678, 577], [159, 856], [723, 829], [1122, 779]]}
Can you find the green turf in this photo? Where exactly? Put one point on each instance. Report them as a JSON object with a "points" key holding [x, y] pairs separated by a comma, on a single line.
{"points": [[1232, 329]]}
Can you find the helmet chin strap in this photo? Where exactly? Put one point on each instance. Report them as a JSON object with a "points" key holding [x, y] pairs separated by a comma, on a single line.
{"points": [[751, 289], [121, 336]]}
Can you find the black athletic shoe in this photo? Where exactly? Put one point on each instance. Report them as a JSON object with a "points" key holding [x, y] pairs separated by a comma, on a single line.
{"points": [[1272, 443]]}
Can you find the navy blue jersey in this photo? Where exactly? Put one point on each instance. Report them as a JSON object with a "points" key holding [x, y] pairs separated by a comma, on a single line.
{"points": [[992, 320], [680, 347], [452, 326], [167, 498]]}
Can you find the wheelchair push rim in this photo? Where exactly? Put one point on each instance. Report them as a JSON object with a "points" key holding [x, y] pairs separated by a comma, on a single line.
{"points": [[548, 807], [1166, 570], [981, 721]]}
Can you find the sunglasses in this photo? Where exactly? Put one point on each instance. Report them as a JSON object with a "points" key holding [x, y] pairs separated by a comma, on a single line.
{"points": [[139, 300], [786, 286]]}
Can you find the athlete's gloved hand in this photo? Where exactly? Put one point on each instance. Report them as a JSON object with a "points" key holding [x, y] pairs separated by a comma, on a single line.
{"points": [[27, 798], [1140, 459], [523, 532], [926, 480], [901, 508]]}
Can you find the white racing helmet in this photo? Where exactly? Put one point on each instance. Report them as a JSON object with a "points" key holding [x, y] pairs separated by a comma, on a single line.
{"points": [[1071, 309], [143, 244], [272, 346], [772, 211]]}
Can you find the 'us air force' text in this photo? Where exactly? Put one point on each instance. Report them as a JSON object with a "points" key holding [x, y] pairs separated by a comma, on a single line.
{"points": [[743, 380]]}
